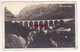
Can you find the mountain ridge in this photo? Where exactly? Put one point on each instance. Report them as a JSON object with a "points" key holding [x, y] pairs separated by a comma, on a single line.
{"points": [[45, 11]]}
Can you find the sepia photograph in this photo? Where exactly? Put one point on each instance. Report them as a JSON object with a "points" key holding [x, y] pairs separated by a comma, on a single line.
{"points": [[39, 25]]}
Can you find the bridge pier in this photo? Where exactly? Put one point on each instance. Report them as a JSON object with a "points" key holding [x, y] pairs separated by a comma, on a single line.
{"points": [[13, 21], [33, 23], [23, 23], [48, 22], [53, 22], [18, 21], [43, 24], [28, 23], [38, 26]]}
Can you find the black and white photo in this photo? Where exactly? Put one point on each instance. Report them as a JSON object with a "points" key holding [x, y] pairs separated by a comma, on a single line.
{"points": [[39, 25]]}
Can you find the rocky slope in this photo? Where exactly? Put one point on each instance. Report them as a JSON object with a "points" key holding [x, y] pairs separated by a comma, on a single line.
{"points": [[45, 11], [8, 14]]}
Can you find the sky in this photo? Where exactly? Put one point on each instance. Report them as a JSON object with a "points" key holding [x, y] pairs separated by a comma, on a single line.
{"points": [[15, 8]]}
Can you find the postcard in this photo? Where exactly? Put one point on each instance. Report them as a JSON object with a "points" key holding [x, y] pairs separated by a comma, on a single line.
{"points": [[41, 25]]}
